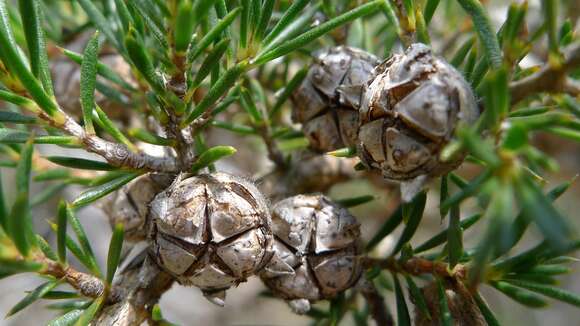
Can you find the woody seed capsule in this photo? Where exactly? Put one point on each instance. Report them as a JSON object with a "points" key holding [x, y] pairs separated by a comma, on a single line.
{"points": [[327, 101], [315, 250], [409, 112], [130, 204], [211, 231]]}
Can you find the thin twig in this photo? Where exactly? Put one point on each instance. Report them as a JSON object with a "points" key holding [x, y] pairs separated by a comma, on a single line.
{"points": [[417, 266], [549, 78]]}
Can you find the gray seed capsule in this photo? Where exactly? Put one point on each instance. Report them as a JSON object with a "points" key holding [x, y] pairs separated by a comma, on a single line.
{"points": [[315, 250], [327, 101], [211, 231], [130, 204], [409, 112]]}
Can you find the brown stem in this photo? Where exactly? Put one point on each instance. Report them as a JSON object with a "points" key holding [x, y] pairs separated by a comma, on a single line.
{"points": [[417, 266], [549, 78], [376, 302]]}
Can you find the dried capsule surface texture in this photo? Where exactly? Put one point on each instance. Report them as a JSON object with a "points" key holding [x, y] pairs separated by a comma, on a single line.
{"points": [[130, 204], [409, 112], [327, 101], [211, 231], [315, 249]]}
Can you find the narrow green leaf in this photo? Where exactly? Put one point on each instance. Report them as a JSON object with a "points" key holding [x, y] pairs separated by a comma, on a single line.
{"points": [[45, 248], [264, 19], [441, 237], [32, 23], [536, 206], [525, 297], [288, 17], [403, 318], [496, 98], [485, 311], [209, 62], [210, 156], [38, 293], [9, 267], [212, 35], [184, 25], [221, 86], [53, 174], [417, 297], [430, 8], [470, 189], [102, 69], [100, 22], [237, 128], [147, 137], [16, 99], [74, 248], [68, 305], [124, 15], [317, 31], [443, 195], [460, 55], [18, 225], [484, 30], [79, 163], [59, 295], [389, 226], [343, 152], [445, 314], [82, 239], [550, 10], [9, 53], [13, 117], [89, 81], [355, 201], [416, 208], [114, 255], [288, 90], [249, 104], [154, 25], [109, 126], [454, 237], [142, 61], [95, 193], [61, 231], [549, 291], [90, 312]]}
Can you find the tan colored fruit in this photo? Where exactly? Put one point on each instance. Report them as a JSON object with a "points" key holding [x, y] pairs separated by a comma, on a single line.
{"points": [[211, 231], [409, 112], [327, 101], [130, 204], [315, 250]]}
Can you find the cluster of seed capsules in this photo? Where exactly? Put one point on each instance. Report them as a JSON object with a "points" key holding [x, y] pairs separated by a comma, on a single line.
{"points": [[213, 231]]}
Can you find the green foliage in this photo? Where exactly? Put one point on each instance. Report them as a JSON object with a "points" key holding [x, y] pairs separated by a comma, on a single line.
{"points": [[195, 66]]}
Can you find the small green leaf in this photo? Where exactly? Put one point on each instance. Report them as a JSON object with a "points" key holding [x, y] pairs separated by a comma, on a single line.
{"points": [[67, 319], [147, 137], [210, 156], [443, 195], [417, 297], [16, 99], [344, 152], [454, 237], [89, 81], [95, 193], [90, 312], [469, 190], [13, 117], [211, 60], [441, 237], [59, 295], [248, 103], [61, 231], [485, 311], [317, 31], [9, 267], [18, 223], [142, 61], [430, 8], [416, 208], [100, 22], [287, 18], [31, 16], [212, 35], [114, 255], [525, 297], [79, 163], [264, 19], [445, 314], [237, 128], [387, 228], [496, 98], [403, 318], [53, 174], [45, 248], [82, 238], [38, 293], [221, 86], [483, 26], [355, 201], [109, 126], [184, 25], [549, 291], [24, 168]]}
